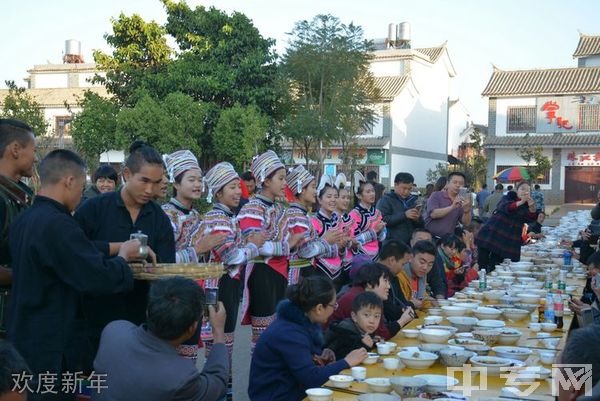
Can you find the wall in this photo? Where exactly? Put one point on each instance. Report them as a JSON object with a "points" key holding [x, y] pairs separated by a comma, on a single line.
{"points": [[415, 165], [509, 157], [591, 61], [458, 121], [388, 68], [58, 80], [502, 105], [84, 78]]}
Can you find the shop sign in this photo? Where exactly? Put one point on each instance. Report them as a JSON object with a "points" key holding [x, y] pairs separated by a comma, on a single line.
{"points": [[583, 159]]}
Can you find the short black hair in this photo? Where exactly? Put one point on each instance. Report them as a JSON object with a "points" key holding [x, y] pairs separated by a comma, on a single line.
{"points": [[141, 153], [58, 164], [370, 273], [499, 187], [310, 292], [247, 176], [393, 249], [510, 187], [458, 173], [106, 171], [174, 305], [11, 363], [13, 130], [440, 183], [367, 299], [424, 247], [404, 178], [594, 260], [452, 240], [583, 347], [536, 187], [420, 230], [484, 186], [371, 175]]}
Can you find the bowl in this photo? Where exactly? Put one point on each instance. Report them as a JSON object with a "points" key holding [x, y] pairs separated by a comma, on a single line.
{"points": [[548, 327], [517, 353], [548, 357], [442, 302], [550, 343], [479, 349], [541, 336], [477, 295], [509, 336], [455, 310], [495, 365], [530, 373], [379, 384], [451, 329], [435, 311], [438, 383], [454, 358], [433, 348], [319, 394], [341, 381], [535, 327], [417, 360], [483, 312], [385, 348], [493, 295], [378, 397], [463, 323], [528, 298], [406, 386], [372, 357], [515, 314], [528, 307], [490, 324], [432, 320], [436, 336], [490, 337], [410, 333]]}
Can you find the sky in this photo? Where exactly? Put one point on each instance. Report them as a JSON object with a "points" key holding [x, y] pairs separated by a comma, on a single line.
{"points": [[510, 34]]}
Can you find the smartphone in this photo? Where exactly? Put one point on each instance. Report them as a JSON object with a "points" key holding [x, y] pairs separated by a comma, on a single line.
{"points": [[212, 296], [463, 193]]}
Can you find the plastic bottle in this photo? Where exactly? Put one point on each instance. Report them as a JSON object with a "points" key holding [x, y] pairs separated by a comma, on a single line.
{"points": [[548, 285], [562, 281], [567, 258], [482, 279], [549, 310], [558, 310]]}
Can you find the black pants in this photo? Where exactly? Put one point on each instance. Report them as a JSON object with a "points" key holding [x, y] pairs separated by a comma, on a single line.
{"points": [[229, 294], [488, 260], [267, 288]]}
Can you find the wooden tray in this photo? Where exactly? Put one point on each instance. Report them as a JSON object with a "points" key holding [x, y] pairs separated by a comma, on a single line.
{"points": [[196, 271]]}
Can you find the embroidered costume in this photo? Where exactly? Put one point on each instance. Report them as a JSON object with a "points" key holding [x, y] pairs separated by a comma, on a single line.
{"points": [[365, 221]]}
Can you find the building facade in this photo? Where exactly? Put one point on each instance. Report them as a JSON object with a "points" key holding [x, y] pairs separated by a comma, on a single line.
{"points": [[557, 110]]}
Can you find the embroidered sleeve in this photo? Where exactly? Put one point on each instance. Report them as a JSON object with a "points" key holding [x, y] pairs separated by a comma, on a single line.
{"points": [[183, 253]]}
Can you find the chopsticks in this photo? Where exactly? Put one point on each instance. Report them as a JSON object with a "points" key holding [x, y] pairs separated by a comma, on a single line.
{"points": [[543, 338], [517, 398], [344, 390]]}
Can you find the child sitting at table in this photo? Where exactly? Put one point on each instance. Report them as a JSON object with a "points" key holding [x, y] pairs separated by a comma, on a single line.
{"points": [[356, 331]]}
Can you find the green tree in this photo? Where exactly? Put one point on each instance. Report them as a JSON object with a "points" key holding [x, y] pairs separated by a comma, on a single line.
{"points": [[536, 163], [440, 170], [18, 104], [331, 90], [475, 163], [94, 129], [177, 122], [239, 134]]}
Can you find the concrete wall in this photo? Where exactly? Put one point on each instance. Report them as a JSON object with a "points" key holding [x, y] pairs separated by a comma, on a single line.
{"points": [[502, 105], [55, 80], [388, 68], [592, 61]]}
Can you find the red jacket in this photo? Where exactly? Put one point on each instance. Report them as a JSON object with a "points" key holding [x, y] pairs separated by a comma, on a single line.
{"points": [[345, 308]]}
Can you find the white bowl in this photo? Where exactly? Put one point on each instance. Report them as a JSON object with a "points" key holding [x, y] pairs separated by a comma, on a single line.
{"points": [[528, 298], [468, 305], [518, 353], [530, 373], [410, 333], [548, 327], [454, 358], [490, 324], [372, 357], [455, 310], [319, 394], [378, 397], [451, 329], [434, 311], [494, 364], [493, 295], [515, 314], [509, 336], [432, 320], [379, 384], [463, 342], [341, 381], [433, 348], [438, 383], [417, 360], [406, 386], [463, 323], [436, 336], [484, 312], [548, 357]]}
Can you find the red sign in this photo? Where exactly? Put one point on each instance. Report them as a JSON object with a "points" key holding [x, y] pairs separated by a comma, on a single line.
{"points": [[551, 107]]}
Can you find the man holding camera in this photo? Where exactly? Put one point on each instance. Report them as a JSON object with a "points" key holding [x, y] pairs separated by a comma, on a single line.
{"points": [[446, 208]]}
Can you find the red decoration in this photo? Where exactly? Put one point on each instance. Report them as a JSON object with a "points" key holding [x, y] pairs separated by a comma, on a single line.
{"points": [[550, 107]]}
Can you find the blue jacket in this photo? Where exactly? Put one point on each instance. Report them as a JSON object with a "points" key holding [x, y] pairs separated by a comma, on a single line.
{"points": [[282, 367]]}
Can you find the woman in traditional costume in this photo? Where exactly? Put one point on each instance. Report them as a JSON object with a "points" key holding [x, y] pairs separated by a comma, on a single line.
{"points": [[369, 228]]}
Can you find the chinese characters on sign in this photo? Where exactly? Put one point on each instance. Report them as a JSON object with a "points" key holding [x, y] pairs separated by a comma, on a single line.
{"points": [[49, 383], [582, 159], [551, 107], [557, 114]]}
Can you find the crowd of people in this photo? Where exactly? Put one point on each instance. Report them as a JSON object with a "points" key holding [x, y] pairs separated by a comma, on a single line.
{"points": [[320, 281]]}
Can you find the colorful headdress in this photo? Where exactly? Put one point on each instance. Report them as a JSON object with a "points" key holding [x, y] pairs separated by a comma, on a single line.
{"points": [[264, 165], [341, 181], [179, 162], [298, 178], [324, 181], [219, 176], [358, 178]]}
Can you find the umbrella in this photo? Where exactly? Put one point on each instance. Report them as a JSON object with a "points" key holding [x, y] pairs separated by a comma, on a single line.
{"points": [[517, 173]]}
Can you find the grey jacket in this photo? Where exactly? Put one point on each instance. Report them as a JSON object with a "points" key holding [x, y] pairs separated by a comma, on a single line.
{"points": [[140, 366]]}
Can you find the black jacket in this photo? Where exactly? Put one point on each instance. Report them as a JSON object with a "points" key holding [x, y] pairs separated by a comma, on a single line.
{"points": [[343, 337], [393, 208], [394, 306], [53, 262]]}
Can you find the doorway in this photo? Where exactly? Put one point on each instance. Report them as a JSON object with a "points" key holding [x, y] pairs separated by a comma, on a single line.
{"points": [[582, 184]]}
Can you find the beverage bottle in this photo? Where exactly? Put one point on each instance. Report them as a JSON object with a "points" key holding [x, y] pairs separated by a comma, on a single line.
{"points": [[567, 258], [558, 310], [482, 279], [549, 283], [562, 278], [549, 310]]}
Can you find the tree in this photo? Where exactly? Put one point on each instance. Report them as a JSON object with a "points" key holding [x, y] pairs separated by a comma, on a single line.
{"points": [[177, 122], [475, 162], [331, 90], [94, 129], [536, 163], [440, 170], [239, 134], [18, 104]]}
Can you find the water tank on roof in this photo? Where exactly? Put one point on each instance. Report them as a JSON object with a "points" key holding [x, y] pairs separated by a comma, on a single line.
{"points": [[403, 31], [72, 47], [392, 29]]}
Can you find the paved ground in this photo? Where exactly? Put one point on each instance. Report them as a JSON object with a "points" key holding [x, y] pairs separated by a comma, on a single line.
{"points": [[554, 218]]}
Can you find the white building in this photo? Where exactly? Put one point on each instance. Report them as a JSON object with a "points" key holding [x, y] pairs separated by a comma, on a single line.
{"points": [[420, 120], [556, 109]]}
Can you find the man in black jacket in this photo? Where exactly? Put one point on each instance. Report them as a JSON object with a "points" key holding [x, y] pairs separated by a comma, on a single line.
{"points": [[53, 262], [400, 210]]}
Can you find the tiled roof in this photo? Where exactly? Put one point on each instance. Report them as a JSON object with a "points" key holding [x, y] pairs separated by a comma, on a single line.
{"points": [[58, 96], [562, 140], [390, 87], [367, 142], [433, 53], [587, 46], [559, 81]]}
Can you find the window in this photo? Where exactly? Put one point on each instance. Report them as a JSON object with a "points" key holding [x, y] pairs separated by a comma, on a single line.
{"points": [[589, 117], [520, 119], [63, 126], [544, 180]]}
